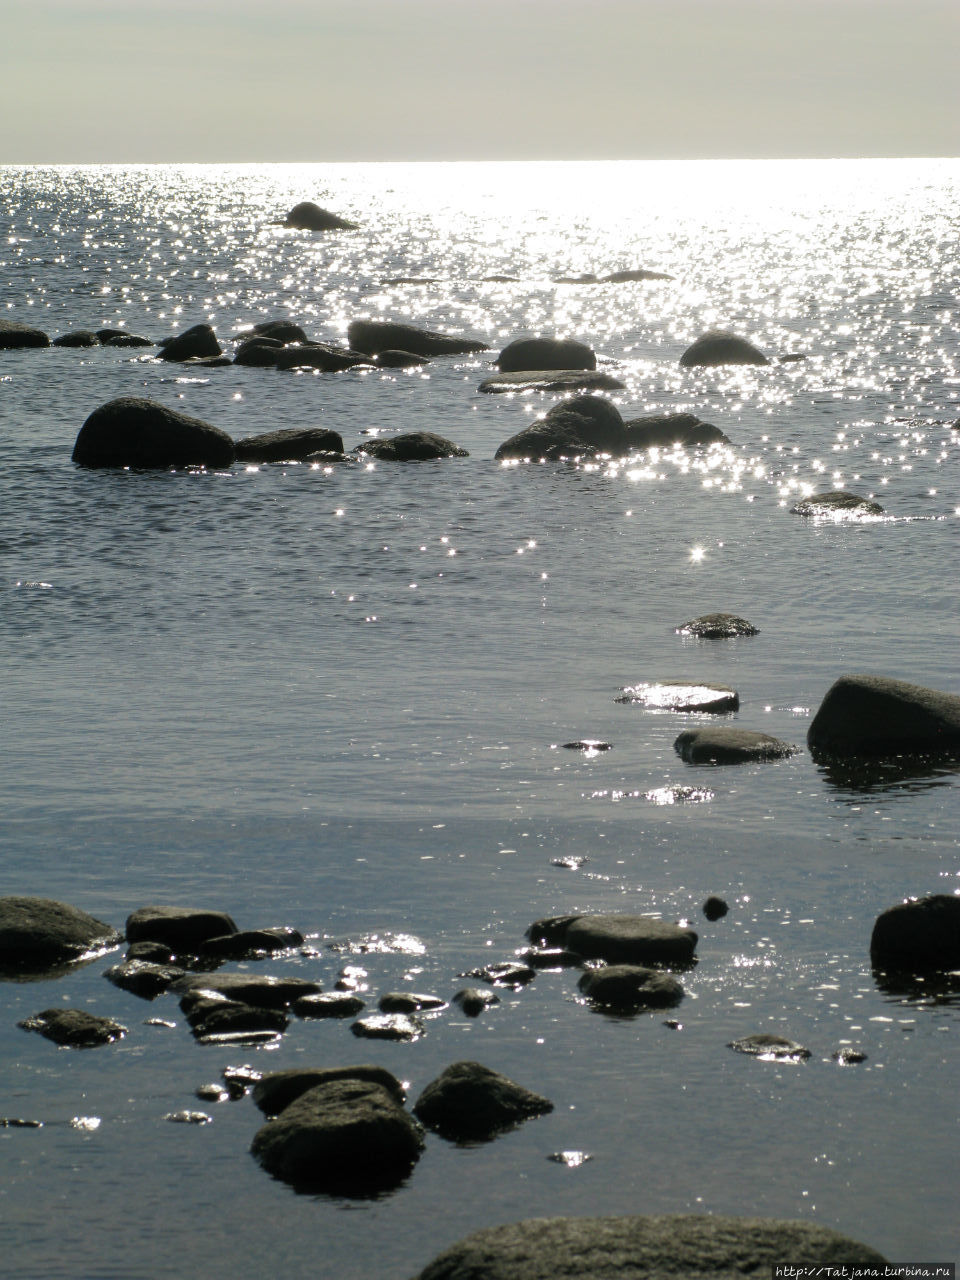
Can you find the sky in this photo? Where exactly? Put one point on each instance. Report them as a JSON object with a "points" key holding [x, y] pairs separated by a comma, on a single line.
{"points": [[129, 81]]}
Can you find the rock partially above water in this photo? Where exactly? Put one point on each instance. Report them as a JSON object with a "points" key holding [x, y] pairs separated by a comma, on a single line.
{"points": [[213, 1017], [664, 430], [682, 695], [143, 978], [552, 380], [373, 336], [77, 338], [717, 626], [131, 432], [628, 988], [412, 446], [308, 216], [200, 341], [388, 1026], [764, 1045], [288, 445], [718, 347], [838, 504], [37, 933], [581, 425], [470, 1102], [863, 715], [474, 1000], [328, 1004], [74, 1028], [524, 354], [13, 335], [714, 908], [262, 990], [918, 936], [730, 746], [319, 355], [182, 929], [618, 938], [276, 1090]]}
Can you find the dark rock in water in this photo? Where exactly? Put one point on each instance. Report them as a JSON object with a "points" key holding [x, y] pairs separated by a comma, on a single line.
{"points": [[200, 340], [590, 745], [409, 1002], [74, 1028], [37, 933], [131, 432], [764, 1045], [388, 1026], [238, 1080], [214, 1092], [258, 353], [212, 1018], [730, 746], [308, 216], [12, 1122], [120, 338], [581, 425], [474, 1000], [586, 277], [251, 944], [715, 908], [664, 430], [619, 938], [328, 1004], [154, 952], [319, 355], [628, 988], [876, 716], [661, 1247], [349, 1137], [550, 957], [14, 335], [469, 1102], [507, 973], [544, 353], [262, 990], [837, 504], [918, 936], [717, 347], [282, 331], [552, 380], [207, 362], [683, 695], [792, 357], [848, 1057], [718, 626], [143, 978], [183, 929], [188, 1117], [291, 444], [78, 338], [275, 1091], [412, 446], [624, 277], [399, 359], [373, 336]]}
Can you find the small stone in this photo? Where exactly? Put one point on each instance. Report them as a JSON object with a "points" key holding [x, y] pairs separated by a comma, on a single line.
{"points": [[212, 1093], [474, 1000], [239, 1079], [770, 1047], [74, 1028], [188, 1117], [837, 505], [715, 908], [571, 1159], [570, 862], [507, 973], [143, 978], [590, 745], [12, 1122], [328, 1004], [730, 746], [409, 1002], [388, 1026], [549, 958], [847, 1057], [682, 695]]}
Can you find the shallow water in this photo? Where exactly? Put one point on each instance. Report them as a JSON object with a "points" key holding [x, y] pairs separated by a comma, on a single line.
{"points": [[336, 698]]}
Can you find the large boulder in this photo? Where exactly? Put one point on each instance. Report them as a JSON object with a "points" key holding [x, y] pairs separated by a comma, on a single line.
{"points": [[581, 425], [200, 340], [288, 445], [729, 746], [920, 935], [14, 335], [469, 1102], [660, 1247], [281, 330], [412, 446], [864, 715], [308, 216], [275, 1091], [628, 988], [182, 929], [374, 336], [618, 938], [664, 430], [258, 352], [718, 347], [545, 353], [131, 432], [36, 933]]}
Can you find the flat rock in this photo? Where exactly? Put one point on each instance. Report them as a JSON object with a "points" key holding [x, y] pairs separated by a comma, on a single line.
{"points": [[718, 347], [764, 1045], [409, 1002], [373, 336], [388, 1026], [399, 360], [182, 929], [838, 504], [682, 695], [121, 338], [864, 715], [13, 335], [628, 988], [37, 933], [262, 990], [328, 1004], [470, 1102], [552, 380], [919, 935], [665, 430], [319, 355], [275, 1091], [251, 944], [307, 216], [412, 446], [211, 1017], [618, 938], [717, 626], [581, 425], [524, 354], [290, 444], [74, 1028], [132, 432], [729, 746], [143, 978], [661, 1247]]}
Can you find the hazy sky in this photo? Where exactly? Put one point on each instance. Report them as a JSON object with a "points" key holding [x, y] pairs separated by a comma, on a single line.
{"points": [[220, 80]]}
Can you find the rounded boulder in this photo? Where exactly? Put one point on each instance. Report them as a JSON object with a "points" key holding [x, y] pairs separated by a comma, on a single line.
{"points": [[131, 432]]}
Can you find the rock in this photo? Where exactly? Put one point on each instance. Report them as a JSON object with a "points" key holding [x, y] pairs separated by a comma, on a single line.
{"points": [[251, 944], [583, 424], [714, 908], [327, 1004], [74, 1028], [78, 338], [768, 1046], [919, 935], [624, 277], [627, 988], [182, 929], [308, 216], [188, 1117], [718, 626], [38, 933], [14, 335], [282, 331], [409, 1002], [399, 359], [291, 444], [258, 353], [585, 277], [683, 695], [239, 1080], [550, 957], [318, 355], [730, 746], [275, 1091], [388, 1026], [266, 992], [412, 446], [207, 362], [474, 1000], [664, 430], [214, 1092], [155, 952], [848, 1057], [592, 746], [131, 432], [865, 715], [838, 504], [345, 1137], [524, 354], [553, 380], [200, 340], [717, 348], [120, 338], [507, 973], [143, 977], [619, 938], [211, 1017], [469, 1102], [661, 1247], [373, 336]]}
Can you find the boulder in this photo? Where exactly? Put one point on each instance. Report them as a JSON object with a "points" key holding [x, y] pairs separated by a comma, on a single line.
{"points": [[200, 340], [327, 1004], [628, 988], [505, 973], [765, 1045], [143, 978], [345, 1137], [469, 1102], [838, 504], [714, 908], [14, 335], [261, 990], [211, 1017], [318, 355], [291, 444], [729, 746], [664, 430], [373, 336], [581, 425], [409, 1002], [864, 715], [619, 938], [659, 1247], [182, 929], [37, 933], [282, 331], [552, 380], [718, 347], [258, 353], [544, 353], [74, 1028], [251, 944], [399, 360], [155, 952], [275, 1091], [474, 1000], [131, 432], [683, 695], [78, 338], [637, 273], [120, 338], [388, 1026], [308, 216], [412, 446], [918, 936], [717, 626]]}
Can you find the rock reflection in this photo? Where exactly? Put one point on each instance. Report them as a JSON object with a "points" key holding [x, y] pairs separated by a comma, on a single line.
{"points": [[895, 774]]}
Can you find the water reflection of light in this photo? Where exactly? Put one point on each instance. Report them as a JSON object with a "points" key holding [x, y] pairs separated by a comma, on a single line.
{"points": [[697, 554]]}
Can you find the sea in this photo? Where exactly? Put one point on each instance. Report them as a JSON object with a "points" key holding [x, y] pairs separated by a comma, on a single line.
{"points": [[337, 697]]}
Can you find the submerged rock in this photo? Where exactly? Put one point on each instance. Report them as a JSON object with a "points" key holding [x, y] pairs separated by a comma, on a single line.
{"points": [[74, 1028], [308, 216], [837, 504], [409, 1002], [131, 432], [764, 1045], [319, 355], [718, 347], [13, 335], [628, 988], [864, 715], [618, 938], [553, 380], [198, 341], [275, 1091], [918, 936], [730, 746], [374, 336], [182, 929], [664, 430], [545, 353], [718, 626], [38, 933], [291, 444], [581, 425], [470, 1102], [683, 695], [77, 338]]}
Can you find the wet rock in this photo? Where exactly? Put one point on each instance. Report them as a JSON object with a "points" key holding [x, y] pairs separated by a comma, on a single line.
{"points": [[664, 430], [154, 952], [474, 1000], [388, 1026], [328, 1004], [252, 944], [619, 938], [78, 338], [683, 695], [267, 992], [412, 446], [182, 929], [399, 359], [848, 1057], [143, 978], [628, 988], [238, 1080], [553, 380], [319, 355], [13, 1122], [768, 1046], [409, 1002], [917, 936], [715, 908], [200, 340], [14, 335], [524, 354], [718, 347], [258, 353], [212, 1016], [352, 978], [188, 1117], [470, 1102], [74, 1028], [500, 279], [730, 746], [550, 958], [308, 216], [589, 745], [837, 504], [282, 331], [864, 715], [695, 1247], [506, 973], [291, 444], [131, 432], [212, 1093], [36, 933], [637, 273], [581, 425], [346, 1137], [718, 626], [373, 336], [120, 338], [276, 1090]]}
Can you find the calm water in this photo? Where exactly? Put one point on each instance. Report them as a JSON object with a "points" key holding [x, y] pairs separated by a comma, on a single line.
{"points": [[333, 698]]}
